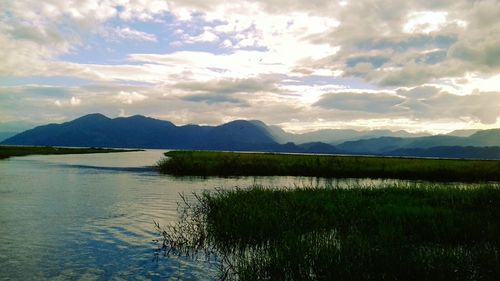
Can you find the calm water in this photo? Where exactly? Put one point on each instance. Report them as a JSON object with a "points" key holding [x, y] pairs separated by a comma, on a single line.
{"points": [[90, 217]]}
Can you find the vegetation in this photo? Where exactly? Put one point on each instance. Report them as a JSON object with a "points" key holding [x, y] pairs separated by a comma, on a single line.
{"points": [[9, 151], [411, 232], [208, 163]]}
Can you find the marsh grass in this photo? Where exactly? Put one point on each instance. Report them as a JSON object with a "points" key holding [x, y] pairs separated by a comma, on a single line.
{"points": [[10, 151], [411, 232], [208, 163]]}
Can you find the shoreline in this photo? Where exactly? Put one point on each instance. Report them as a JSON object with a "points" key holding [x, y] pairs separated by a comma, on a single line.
{"points": [[7, 151]]}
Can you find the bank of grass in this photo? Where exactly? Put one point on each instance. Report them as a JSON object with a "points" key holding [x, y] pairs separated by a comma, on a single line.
{"points": [[411, 232], [10, 151], [208, 163]]}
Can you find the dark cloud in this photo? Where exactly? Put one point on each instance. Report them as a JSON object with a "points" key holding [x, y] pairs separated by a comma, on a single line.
{"points": [[417, 93], [233, 91], [212, 98], [230, 86]]}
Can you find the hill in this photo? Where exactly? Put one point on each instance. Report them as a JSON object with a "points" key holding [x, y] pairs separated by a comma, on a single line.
{"points": [[97, 130]]}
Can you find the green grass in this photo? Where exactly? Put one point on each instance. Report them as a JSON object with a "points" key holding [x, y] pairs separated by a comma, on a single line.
{"points": [[410, 232], [10, 151], [206, 163]]}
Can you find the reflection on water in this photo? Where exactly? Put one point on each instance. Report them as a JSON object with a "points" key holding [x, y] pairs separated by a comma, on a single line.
{"points": [[84, 217]]}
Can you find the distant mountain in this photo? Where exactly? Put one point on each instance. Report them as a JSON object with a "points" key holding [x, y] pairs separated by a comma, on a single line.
{"points": [[462, 133], [97, 130], [373, 146], [391, 145], [485, 138], [336, 136], [491, 152]]}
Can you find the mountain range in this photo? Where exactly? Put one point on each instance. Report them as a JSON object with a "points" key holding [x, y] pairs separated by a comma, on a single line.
{"points": [[97, 130]]}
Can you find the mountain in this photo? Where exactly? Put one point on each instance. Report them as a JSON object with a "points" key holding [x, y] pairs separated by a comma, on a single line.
{"points": [[486, 138], [373, 146], [462, 133], [391, 145], [97, 130], [143, 132], [491, 152], [336, 136]]}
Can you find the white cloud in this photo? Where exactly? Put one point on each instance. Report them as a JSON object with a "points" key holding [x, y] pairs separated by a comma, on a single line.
{"points": [[74, 101], [126, 33], [129, 97], [425, 22], [227, 43], [206, 36]]}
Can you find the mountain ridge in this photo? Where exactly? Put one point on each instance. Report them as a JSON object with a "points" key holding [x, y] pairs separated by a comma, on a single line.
{"points": [[137, 131]]}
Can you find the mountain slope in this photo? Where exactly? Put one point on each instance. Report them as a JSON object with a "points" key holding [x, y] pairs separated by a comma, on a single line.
{"points": [[143, 132]]}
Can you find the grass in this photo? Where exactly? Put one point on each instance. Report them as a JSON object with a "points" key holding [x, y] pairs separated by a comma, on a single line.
{"points": [[10, 151], [206, 163], [412, 232]]}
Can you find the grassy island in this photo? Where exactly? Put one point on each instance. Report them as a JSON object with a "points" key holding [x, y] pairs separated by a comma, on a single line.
{"points": [[10, 151], [411, 232], [208, 163]]}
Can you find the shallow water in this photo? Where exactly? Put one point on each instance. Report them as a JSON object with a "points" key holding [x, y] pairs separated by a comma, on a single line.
{"points": [[90, 217]]}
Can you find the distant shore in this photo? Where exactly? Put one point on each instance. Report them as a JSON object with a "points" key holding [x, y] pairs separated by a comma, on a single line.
{"points": [[211, 163], [10, 151]]}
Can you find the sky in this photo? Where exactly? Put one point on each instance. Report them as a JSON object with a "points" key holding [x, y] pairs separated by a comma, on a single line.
{"points": [[303, 65]]}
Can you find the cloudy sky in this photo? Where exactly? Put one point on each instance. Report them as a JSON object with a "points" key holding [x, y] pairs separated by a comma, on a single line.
{"points": [[301, 64]]}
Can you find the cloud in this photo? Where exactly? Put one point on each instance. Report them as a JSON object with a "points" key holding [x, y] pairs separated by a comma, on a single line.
{"points": [[34, 34], [205, 36], [213, 98], [450, 30], [74, 101], [230, 86], [483, 107], [126, 33], [129, 97], [36, 90], [377, 102], [234, 91], [423, 103]]}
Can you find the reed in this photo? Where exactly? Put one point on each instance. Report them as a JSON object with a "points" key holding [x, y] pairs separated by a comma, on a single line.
{"points": [[391, 232], [208, 163]]}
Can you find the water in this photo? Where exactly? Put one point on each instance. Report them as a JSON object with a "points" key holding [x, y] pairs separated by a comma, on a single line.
{"points": [[90, 217]]}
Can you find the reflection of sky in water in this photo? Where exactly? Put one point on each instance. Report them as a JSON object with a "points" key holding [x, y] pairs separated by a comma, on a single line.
{"points": [[84, 217]]}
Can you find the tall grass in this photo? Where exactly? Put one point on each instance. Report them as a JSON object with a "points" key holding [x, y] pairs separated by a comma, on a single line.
{"points": [[416, 232], [205, 163]]}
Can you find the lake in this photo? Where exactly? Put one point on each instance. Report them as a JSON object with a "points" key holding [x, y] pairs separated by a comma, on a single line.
{"points": [[90, 216]]}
